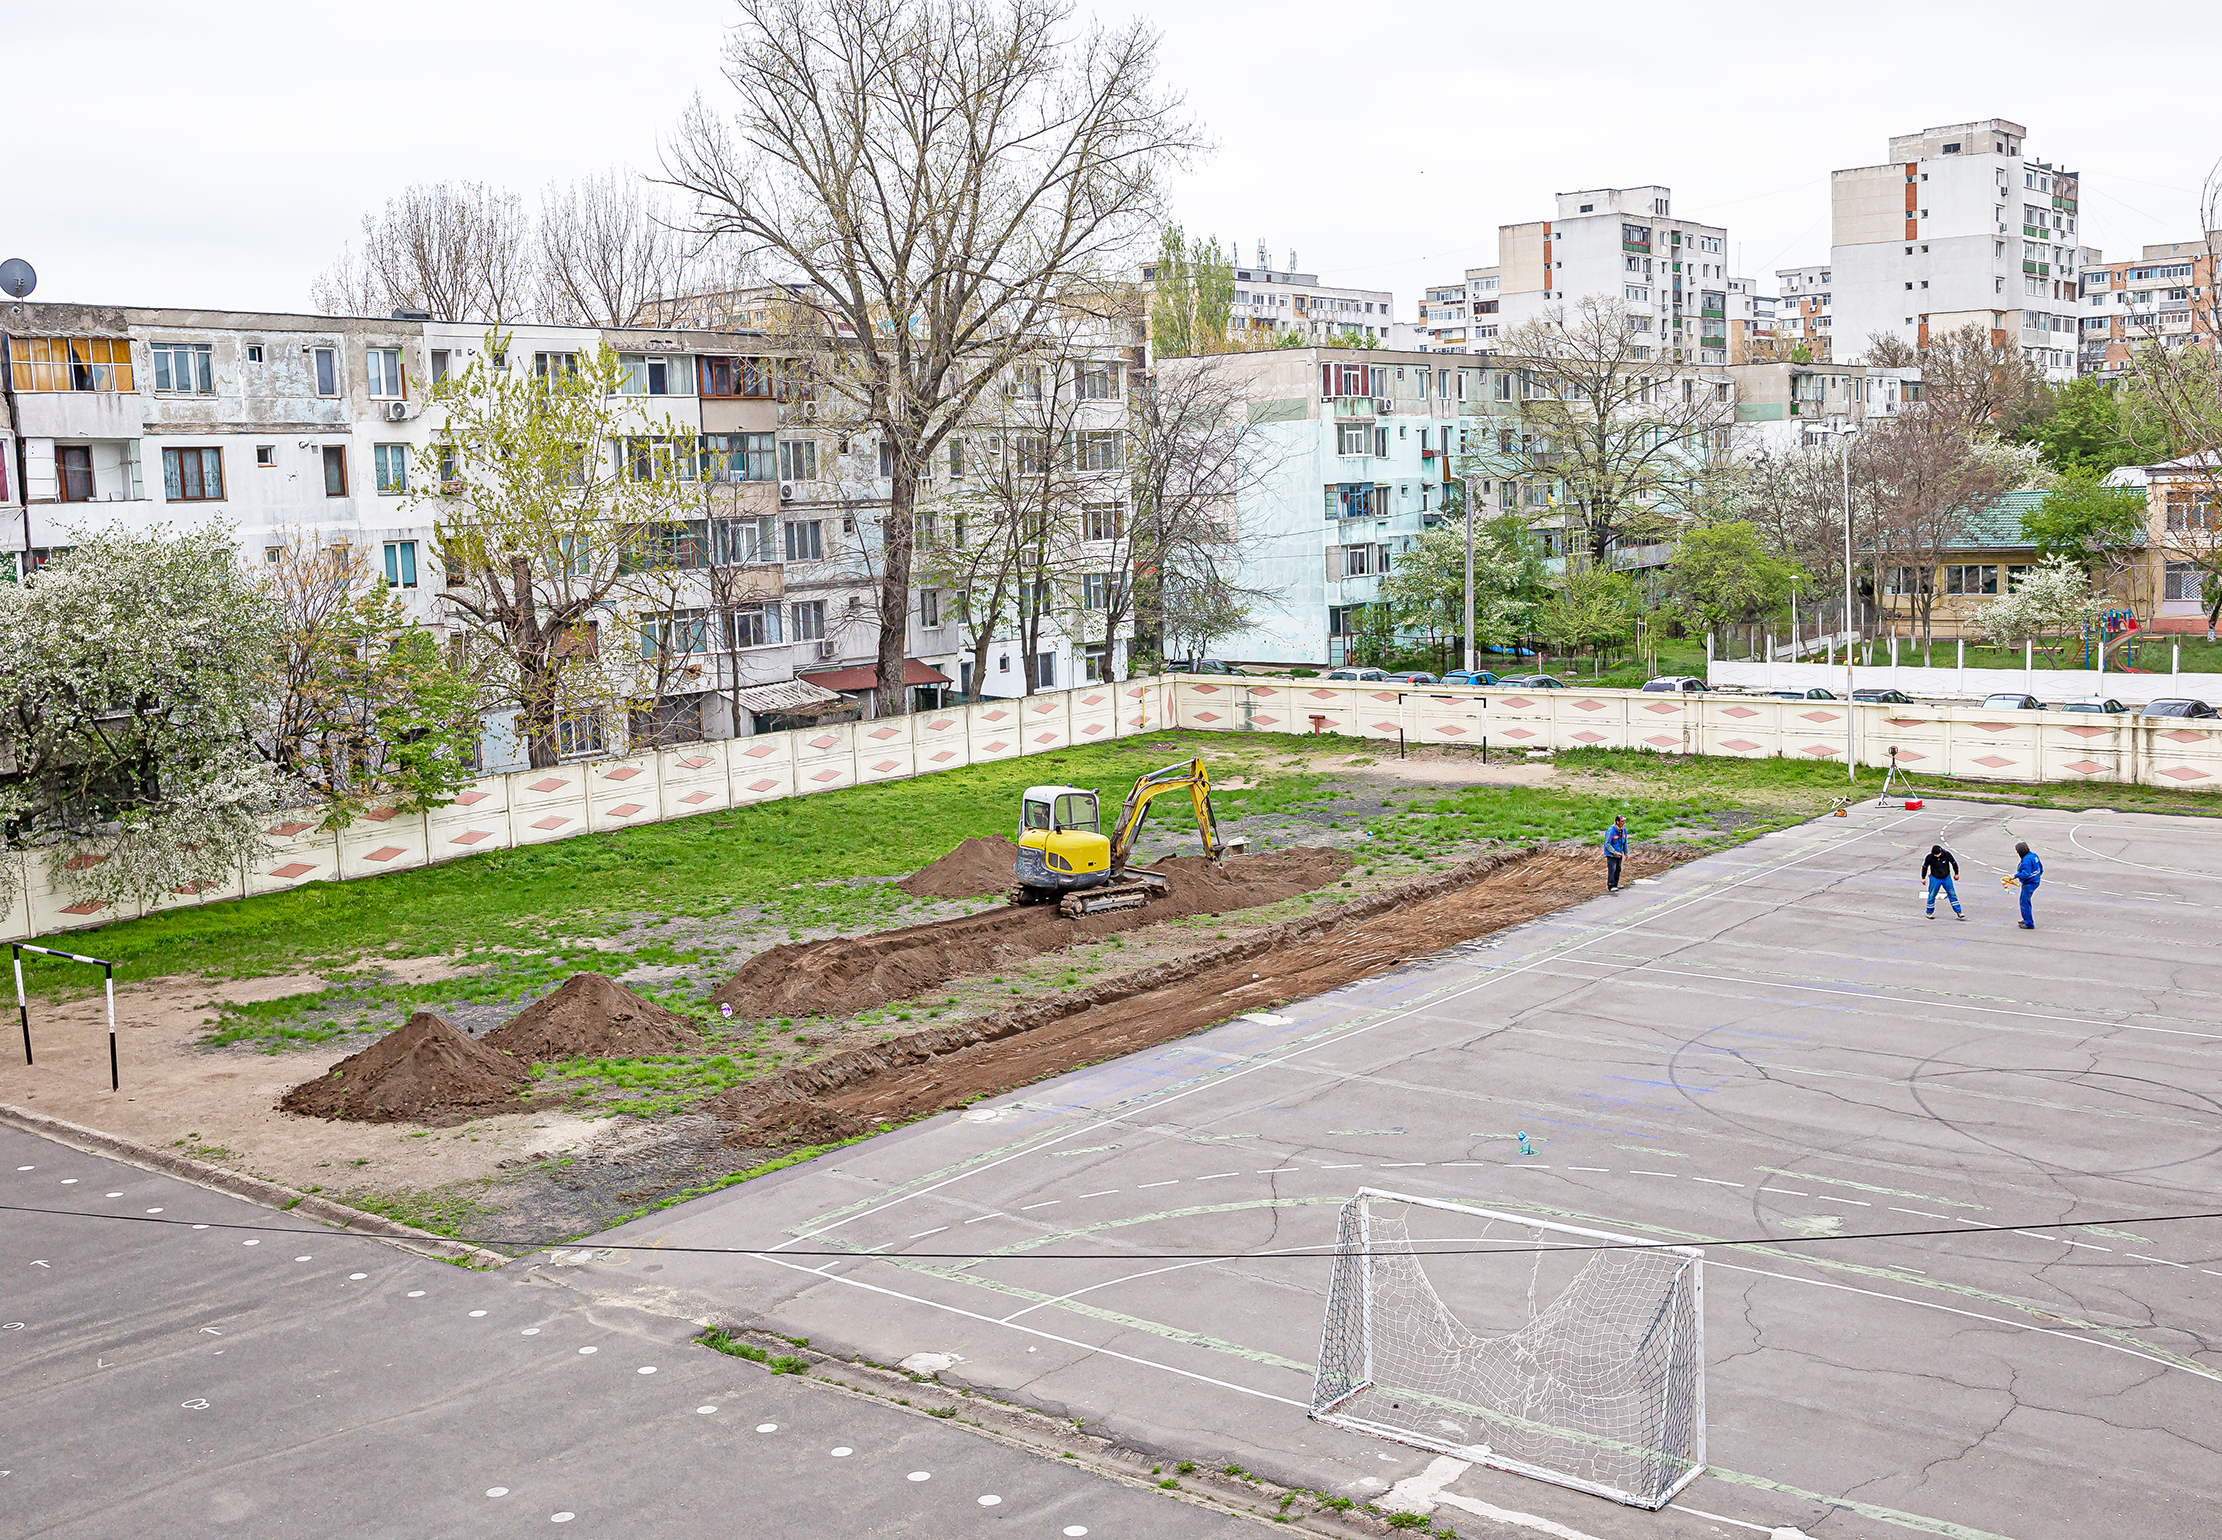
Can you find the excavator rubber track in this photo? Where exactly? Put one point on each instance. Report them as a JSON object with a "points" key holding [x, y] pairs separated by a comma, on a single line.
{"points": [[1137, 888]]}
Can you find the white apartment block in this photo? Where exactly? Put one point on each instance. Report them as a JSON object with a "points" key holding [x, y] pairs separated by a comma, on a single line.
{"points": [[1463, 317], [1270, 302], [1806, 316], [1958, 227], [1625, 244], [322, 426]]}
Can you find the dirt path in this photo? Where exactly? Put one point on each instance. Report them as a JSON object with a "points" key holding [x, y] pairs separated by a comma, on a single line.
{"points": [[1521, 890]]}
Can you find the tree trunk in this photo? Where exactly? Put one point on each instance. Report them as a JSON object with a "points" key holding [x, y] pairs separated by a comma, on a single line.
{"points": [[537, 721], [892, 698]]}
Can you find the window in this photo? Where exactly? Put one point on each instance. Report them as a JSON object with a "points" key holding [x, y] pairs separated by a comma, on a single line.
{"points": [[657, 457], [327, 371], [887, 459], [929, 608], [1098, 590], [803, 540], [740, 456], [809, 616], [956, 457], [183, 369], [335, 470], [439, 365], [752, 625], [1353, 438], [266, 455], [675, 634], [2182, 581], [798, 459], [193, 475], [1971, 579], [70, 363], [579, 732], [924, 527], [254, 352], [1097, 382], [1099, 521], [641, 375], [389, 464], [73, 472], [744, 542], [544, 365], [384, 366], [401, 564], [1096, 451]]}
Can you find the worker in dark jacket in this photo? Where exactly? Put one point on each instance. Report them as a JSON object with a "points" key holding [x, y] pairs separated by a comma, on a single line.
{"points": [[1940, 867], [1616, 851], [2028, 874]]}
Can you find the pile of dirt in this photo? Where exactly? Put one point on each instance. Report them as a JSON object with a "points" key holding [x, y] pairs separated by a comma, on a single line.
{"points": [[423, 1072], [940, 1068], [848, 974], [799, 1122], [592, 1017], [978, 868]]}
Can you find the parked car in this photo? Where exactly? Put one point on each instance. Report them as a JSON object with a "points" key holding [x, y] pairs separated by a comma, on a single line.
{"points": [[1469, 676], [2012, 703], [1815, 693], [1883, 697], [1413, 678], [1368, 674], [1668, 684], [1532, 682], [1203, 666], [2097, 704], [2180, 707]]}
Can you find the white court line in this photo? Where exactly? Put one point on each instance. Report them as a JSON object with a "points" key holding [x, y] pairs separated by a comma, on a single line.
{"points": [[1276, 1170], [1177, 1267], [1719, 1518], [1920, 1213], [1216, 1175], [1052, 1203], [987, 1216], [1793, 1192], [1714, 1181], [1599, 1170], [2173, 871], [1050, 1141], [1103, 1194], [1144, 1187], [936, 1230], [2163, 1261], [1654, 1173]]}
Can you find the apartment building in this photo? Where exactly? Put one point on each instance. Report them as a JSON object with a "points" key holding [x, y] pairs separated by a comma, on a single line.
{"points": [[1805, 319], [2166, 295], [1463, 317], [1958, 227], [1751, 322], [1778, 403], [1626, 244], [1271, 302], [282, 425]]}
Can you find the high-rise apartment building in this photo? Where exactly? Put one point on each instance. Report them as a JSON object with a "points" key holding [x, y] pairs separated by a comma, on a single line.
{"points": [[1462, 317], [2165, 296], [1807, 318], [1958, 227], [1271, 303]]}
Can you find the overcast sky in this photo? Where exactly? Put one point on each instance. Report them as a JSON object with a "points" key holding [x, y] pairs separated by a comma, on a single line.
{"points": [[218, 154]]}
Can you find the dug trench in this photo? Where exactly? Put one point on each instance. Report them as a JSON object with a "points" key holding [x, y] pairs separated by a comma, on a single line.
{"points": [[938, 1069]]}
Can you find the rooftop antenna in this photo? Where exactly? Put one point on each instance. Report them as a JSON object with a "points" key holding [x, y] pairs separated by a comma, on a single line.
{"points": [[1264, 260]]}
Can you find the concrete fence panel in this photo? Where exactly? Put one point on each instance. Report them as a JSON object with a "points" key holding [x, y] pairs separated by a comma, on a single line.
{"points": [[994, 730], [942, 741], [383, 840], [622, 793], [298, 852], [1141, 706], [1744, 729], [825, 757], [478, 819], [693, 778], [1591, 719], [1458, 717], [547, 804], [1045, 724], [2182, 756], [886, 750], [762, 768], [1092, 714]]}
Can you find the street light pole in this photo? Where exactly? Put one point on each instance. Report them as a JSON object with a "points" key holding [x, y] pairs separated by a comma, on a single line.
{"points": [[1469, 510], [1844, 433]]}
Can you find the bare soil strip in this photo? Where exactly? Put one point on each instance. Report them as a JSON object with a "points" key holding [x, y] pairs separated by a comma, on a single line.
{"points": [[848, 974], [938, 1069]]}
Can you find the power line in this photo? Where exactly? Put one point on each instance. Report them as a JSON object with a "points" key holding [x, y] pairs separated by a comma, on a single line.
{"points": [[1325, 1250]]}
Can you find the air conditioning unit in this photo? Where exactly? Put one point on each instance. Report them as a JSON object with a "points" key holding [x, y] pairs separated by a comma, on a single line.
{"points": [[1384, 406], [810, 411], [825, 649], [786, 491], [397, 411]]}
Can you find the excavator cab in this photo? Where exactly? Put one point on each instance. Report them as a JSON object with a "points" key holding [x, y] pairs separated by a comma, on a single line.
{"points": [[1064, 856], [1061, 847]]}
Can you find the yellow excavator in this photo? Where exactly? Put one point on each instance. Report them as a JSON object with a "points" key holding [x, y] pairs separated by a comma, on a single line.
{"points": [[1065, 858]]}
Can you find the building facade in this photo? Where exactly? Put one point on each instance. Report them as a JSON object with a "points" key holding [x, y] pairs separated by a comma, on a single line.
{"points": [[1958, 227], [322, 429], [2166, 296], [1271, 302], [1624, 244]]}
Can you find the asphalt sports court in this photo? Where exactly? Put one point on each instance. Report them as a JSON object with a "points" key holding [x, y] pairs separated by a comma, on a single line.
{"points": [[1771, 1043]]}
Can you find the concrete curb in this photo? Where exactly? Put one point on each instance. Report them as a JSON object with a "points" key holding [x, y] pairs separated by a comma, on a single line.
{"points": [[269, 1194]]}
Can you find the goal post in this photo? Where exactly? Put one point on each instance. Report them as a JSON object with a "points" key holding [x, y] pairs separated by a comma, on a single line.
{"points": [[1571, 1355]]}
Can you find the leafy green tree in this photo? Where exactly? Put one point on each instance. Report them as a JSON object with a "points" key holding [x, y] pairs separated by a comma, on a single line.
{"points": [[1426, 585], [2085, 425], [136, 672], [1724, 572], [1591, 607], [1192, 296], [370, 712], [2085, 520]]}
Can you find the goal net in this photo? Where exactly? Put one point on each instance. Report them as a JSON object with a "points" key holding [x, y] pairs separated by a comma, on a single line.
{"points": [[1519, 1343]]}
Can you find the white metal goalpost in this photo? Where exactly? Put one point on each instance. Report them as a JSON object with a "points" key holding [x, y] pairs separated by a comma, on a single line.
{"points": [[1517, 1342]]}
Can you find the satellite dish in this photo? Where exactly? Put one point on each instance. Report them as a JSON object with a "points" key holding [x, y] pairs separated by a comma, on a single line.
{"points": [[16, 278]]}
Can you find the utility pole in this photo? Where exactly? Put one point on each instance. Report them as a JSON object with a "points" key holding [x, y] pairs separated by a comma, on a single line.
{"points": [[1469, 632]]}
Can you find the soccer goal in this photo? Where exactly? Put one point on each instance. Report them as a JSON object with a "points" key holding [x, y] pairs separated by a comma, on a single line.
{"points": [[1516, 1342]]}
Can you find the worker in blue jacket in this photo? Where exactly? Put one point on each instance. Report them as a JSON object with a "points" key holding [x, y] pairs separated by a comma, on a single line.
{"points": [[1616, 850], [2028, 874]]}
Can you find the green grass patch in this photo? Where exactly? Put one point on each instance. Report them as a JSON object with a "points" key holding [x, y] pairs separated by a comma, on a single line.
{"points": [[447, 1212]]}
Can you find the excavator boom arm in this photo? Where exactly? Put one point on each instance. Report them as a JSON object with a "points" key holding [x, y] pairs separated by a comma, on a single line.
{"points": [[1147, 788]]}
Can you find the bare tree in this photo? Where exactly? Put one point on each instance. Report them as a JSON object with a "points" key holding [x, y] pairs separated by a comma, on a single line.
{"points": [[460, 250], [607, 250], [1623, 435], [1971, 383], [938, 178], [1927, 480]]}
